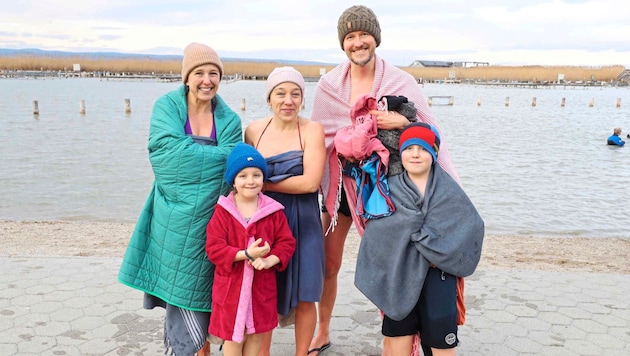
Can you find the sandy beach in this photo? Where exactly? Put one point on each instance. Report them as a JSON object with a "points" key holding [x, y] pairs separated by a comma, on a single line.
{"points": [[57, 238]]}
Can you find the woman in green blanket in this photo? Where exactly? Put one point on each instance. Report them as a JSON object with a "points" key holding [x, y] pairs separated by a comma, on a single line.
{"points": [[192, 131]]}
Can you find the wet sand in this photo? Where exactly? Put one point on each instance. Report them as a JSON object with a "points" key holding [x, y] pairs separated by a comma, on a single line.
{"points": [[58, 238]]}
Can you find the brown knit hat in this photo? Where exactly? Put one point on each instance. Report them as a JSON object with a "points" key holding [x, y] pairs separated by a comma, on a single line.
{"points": [[358, 18], [196, 54]]}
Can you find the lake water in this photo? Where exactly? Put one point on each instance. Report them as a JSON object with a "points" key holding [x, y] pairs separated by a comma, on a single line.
{"points": [[538, 171]]}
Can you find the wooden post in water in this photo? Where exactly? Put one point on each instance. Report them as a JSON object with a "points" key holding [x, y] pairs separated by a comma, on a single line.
{"points": [[243, 104], [507, 101], [533, 101], [562, 102], [479, 101], [618, 102], [35, 107], [450, 101], [82, 107], [127, 106], [430, 102], [592, 103]]}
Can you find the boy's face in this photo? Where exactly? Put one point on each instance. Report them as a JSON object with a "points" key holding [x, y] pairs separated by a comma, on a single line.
{"points": [[416, 160], [249, 182]]}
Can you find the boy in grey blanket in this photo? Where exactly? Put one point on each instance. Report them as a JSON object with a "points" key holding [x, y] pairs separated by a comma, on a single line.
{"points": [[410, 272]]}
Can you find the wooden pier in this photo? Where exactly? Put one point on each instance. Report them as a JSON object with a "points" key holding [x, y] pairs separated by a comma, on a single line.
{"points": [[441, 100], [532, 85]]}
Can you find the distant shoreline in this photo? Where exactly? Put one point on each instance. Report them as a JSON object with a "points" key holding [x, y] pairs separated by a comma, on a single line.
{"points": [[258, 69], [229, 78]]}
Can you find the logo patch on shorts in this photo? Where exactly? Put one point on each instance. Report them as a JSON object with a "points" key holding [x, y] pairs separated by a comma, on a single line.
{"points": [[450, 339]]}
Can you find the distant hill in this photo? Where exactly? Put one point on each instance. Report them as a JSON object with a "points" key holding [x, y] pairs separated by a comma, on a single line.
{"points": [[34, 52]]}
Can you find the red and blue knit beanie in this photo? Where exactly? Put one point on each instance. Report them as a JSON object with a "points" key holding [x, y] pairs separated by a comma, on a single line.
{"points": [[424, 135]]}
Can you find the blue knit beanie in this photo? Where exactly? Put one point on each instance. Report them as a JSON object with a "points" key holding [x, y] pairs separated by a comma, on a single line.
{"points": [[244, 156]]}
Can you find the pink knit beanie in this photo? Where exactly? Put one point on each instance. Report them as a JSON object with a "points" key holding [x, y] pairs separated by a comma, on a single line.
{"points": [[282, 75], [196, 54]]}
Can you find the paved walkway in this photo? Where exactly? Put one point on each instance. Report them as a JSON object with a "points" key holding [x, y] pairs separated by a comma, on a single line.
{"points": [[74, 306]]}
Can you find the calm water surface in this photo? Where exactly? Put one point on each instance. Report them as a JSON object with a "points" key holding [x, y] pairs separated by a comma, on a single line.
{"points": [[540, 171]]}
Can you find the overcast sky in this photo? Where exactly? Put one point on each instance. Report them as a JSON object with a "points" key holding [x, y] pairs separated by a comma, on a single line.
{"points": [[525, 32]]}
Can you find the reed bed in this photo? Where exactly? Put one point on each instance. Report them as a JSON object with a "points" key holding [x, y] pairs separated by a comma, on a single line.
{"points": [[114, 65], [260, 69], [520, 73]]}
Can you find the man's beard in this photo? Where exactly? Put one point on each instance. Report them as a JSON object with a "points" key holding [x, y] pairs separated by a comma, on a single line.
{"points": [[364, 61]]}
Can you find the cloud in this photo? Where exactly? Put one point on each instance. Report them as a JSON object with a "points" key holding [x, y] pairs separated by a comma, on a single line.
{"points": [[542, 32]]}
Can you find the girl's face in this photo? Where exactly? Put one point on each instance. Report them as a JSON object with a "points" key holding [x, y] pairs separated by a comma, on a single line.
{"points": [[249, 182], [285, 100], [416, 160], [203, 81]]}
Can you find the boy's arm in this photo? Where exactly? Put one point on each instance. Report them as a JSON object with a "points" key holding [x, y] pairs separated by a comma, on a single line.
{"points": [[452, 254]]}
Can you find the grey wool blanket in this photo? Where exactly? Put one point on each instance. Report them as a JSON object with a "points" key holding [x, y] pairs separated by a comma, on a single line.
{"points": [[396, 251]]}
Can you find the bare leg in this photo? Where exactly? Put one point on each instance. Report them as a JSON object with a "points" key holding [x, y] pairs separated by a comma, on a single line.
{"points": [[444, 352], [400, 345], [305, 321], [205, 350], [265, 345], [231, 348], [387, 351], [333, 248], [416, 348], [251, 345]]}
